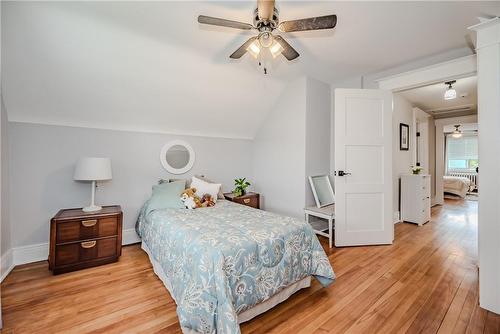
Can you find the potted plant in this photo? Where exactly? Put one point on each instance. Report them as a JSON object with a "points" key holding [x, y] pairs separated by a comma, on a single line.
{"points": [[416, 170], [241, 186]]}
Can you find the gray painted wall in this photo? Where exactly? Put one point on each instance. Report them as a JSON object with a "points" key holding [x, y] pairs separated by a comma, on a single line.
{"points": [[279, 152], [401, 160], [42, 159], [39, 162], [318, 112], [293, 143]]}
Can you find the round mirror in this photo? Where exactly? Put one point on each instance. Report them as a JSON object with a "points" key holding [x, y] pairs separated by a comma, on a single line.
{"points": [[177, 157]]}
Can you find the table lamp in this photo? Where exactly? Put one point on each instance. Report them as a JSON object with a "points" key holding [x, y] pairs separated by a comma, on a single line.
{"points": [[92, 169]]}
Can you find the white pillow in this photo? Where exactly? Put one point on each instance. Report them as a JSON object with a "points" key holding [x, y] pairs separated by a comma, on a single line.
{"points": [[203, 187]]}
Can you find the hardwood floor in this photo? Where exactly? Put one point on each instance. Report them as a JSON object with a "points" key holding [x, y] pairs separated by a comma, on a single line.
{"points": [[426, 282]]}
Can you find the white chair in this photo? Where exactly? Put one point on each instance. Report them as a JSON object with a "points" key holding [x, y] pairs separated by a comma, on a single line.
{"points": [[319, 227], [325, 207]]}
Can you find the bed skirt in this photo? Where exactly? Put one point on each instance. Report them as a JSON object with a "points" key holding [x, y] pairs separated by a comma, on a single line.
{"points": [[246, 315]]}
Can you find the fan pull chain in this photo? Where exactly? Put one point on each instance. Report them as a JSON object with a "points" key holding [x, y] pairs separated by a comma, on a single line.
{"points": [[260, 64]]}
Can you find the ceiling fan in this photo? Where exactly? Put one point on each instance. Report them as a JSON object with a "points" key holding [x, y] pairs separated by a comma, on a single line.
{"points": [[266, 21]]}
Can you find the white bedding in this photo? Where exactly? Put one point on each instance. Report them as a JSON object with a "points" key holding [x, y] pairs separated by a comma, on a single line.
{"points": [[456, 185]]}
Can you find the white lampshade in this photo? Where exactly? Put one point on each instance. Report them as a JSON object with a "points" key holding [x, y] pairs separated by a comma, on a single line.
{"points": [[93, 169]]}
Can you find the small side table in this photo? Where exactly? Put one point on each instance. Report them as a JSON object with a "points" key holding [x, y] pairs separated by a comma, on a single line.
{"points": [[319, 227], [81, 239]]}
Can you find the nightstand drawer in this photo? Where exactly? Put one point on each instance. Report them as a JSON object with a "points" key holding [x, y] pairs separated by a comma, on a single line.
{"points": [[248, 201], [86, 229], [78, 252]]}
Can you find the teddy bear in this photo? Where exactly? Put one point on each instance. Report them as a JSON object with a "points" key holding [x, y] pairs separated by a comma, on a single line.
{"points": [[207, 201], [190, 199]]}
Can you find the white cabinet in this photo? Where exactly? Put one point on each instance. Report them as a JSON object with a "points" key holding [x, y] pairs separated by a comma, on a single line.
{"points": [[416, 198]]}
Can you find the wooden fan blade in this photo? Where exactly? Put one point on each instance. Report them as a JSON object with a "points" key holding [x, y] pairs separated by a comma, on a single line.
{"points": [[313, 23], [223, 22], [265, 9], [242, 49], [288, 52]]}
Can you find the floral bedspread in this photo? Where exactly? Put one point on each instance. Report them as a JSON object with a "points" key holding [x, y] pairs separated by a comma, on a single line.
{"points": [[223, 260]]}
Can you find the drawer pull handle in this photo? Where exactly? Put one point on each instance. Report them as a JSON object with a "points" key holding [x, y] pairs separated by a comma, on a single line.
{"points": [[89, 223], [246, 200], [88, 244]]}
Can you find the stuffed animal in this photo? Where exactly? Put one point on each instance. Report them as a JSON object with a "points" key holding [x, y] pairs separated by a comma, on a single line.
{"points": [[189, 198], [207, 201]]}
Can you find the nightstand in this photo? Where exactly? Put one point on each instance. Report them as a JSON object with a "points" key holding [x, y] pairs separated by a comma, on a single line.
{"points": [[85, 239], [249, 199]]}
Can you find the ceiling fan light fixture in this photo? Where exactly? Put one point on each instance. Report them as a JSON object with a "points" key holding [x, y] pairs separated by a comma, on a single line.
{"points": [[276, 49], [254, 48], [266, 39], [450, 93], [266, 21]]}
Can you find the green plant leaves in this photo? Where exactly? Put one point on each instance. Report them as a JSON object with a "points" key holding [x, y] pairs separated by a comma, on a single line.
{"points": [[241, 184]]}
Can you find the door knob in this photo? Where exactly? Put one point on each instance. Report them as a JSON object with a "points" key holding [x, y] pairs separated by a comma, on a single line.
{"points": [[342, 173]]}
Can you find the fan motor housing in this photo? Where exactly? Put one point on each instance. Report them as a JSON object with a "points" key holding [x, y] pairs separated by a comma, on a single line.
{"points": [[265, 25]]}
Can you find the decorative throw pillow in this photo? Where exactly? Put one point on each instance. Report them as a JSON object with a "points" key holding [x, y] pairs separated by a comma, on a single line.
{"points": [[203, 187], [167, 195], [220, 194]]}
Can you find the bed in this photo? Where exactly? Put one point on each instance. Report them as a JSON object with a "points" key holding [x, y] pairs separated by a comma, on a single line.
{"points": [[226, 264], [456, 185]]}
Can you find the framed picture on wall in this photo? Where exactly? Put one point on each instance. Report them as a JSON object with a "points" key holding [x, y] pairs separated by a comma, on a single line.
{"points": [[404, 137]]}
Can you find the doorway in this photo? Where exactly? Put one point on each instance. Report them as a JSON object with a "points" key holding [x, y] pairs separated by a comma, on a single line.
{"points": [[446, 136]]}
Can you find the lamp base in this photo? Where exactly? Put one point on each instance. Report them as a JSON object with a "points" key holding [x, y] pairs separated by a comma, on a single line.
{"points": [[91, 208]]}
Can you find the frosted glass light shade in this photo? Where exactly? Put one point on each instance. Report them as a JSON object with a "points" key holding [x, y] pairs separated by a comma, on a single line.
{"points": [[450, 94], [276, 49], [93, 169], [254, 48]]}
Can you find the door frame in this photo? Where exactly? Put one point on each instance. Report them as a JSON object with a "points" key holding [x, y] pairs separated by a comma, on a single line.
{"points": [[462, 67], [440, 146]]}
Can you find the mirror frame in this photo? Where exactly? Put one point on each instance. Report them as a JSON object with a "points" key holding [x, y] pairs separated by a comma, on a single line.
{"points": [[330, 189], [166, 165]]}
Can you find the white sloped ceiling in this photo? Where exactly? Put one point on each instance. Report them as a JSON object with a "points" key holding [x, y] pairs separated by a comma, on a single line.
{"points": [[150, 66]]}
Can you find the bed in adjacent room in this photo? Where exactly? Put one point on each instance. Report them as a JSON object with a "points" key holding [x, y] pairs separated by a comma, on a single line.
{"points": [[226, 264], [456, 185]]}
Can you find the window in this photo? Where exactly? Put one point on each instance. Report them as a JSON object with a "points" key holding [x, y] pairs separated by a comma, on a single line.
{"points": [[461, 153]]}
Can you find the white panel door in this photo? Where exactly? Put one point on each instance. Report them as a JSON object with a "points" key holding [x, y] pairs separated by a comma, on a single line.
{"points": [[363, 167]]}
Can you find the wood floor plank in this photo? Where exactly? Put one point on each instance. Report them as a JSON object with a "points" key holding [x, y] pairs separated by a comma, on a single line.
{"points": [[426, 282]]}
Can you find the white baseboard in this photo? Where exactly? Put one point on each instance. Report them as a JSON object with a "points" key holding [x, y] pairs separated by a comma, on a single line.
{"points": [[396, 217], [6, 265], [40, 252], [130, 237], [30, 253]]}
